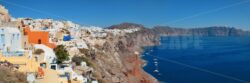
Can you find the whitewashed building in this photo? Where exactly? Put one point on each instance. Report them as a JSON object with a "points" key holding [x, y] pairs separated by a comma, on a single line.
{"points": [[48, 52], [10, 39]]}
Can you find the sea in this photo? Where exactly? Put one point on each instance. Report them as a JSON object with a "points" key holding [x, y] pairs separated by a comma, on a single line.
{"points": [[197, 59]]}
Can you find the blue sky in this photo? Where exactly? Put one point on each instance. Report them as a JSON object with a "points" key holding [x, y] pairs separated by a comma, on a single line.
{"points": [[177, 13]]}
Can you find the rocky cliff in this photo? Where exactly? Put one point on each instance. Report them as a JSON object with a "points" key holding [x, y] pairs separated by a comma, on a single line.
{"points": [[118, 59], [207, 31]]}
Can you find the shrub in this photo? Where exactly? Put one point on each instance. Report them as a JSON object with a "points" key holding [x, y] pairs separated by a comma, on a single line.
{"points": [[61, 54], [78, 60], [38, 51]]}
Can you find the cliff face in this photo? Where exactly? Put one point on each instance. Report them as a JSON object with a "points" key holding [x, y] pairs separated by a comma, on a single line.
{"points": [[118, 60], [218, 31], [142, 35], [207, 31]]}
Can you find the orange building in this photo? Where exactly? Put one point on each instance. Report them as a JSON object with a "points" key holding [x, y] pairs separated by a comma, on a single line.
{"points": [[38, 37]]}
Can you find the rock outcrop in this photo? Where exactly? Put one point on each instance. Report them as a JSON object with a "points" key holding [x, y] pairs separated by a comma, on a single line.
{"points": [[9, 74]]}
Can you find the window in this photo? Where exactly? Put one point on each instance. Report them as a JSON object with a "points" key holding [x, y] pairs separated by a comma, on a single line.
{"points": [[53, 67], [17, 36], [2, 37]]}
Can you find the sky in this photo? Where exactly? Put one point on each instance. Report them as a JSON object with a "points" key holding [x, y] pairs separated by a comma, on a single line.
{"points": [[103, 13]]}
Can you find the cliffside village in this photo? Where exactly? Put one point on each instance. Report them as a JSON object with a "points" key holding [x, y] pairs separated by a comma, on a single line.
{"points": [[21, 38]]}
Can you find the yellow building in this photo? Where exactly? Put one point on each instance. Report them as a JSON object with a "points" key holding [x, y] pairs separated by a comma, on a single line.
{"points": [[26, 62]]}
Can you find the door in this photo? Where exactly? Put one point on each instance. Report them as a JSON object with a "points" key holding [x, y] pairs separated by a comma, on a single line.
{"points": [[39, 41]]}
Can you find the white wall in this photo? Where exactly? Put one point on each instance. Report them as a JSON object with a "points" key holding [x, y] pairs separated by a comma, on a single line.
{"points": [[10, 38]]}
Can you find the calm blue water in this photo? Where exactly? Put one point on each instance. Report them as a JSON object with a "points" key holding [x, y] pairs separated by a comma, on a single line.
{"points": [[187, 59]]}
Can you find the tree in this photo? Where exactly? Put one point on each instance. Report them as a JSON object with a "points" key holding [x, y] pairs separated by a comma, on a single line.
{"points": [[61, 54]]}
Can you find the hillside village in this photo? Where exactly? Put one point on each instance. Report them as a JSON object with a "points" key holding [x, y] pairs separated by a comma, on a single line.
{"points": [[30, 45]]}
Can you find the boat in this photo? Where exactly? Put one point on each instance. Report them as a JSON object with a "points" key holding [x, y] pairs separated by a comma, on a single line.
{"points": [[156, 70]]}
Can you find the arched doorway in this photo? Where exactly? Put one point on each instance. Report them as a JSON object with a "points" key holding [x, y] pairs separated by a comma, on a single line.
{"points": [[39, 41]]}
